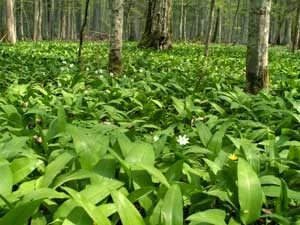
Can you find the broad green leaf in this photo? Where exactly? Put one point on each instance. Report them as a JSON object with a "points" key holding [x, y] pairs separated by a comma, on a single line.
{"points": [[38, 219], [210, 216], [283, 201], [41, 194], [22, 167], [141, 153], [156, 174], [12, 147], [58, 125], [78, 217], [89, 146], [204, 133], [76, 175], [126, 210], [54, 168], [12, 115], [213, 166], [249, 192], [172, 207], [95, 213], [20, 214], [155, 218], [179, 106], [215, 143], [6, 183]]}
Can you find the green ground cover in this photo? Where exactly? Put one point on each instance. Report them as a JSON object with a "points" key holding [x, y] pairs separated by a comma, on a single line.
{"points": [[172, 141]]}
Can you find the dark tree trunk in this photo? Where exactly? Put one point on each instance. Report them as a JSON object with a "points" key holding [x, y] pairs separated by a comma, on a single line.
{"points": [[158, 33]]}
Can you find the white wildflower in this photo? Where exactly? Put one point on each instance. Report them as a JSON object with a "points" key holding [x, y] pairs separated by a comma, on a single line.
{"points": [[71, 65], [183, 140]]}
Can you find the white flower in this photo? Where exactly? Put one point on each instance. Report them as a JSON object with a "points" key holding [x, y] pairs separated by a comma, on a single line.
{"points": [[87, 69], [141, 70], [156, 138], [183, 140], [71, 65], [64, 62]]}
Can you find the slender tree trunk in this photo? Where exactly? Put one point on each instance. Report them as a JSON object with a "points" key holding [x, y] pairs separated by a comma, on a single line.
{"points": [[115, 54], [82, 32], [36, 20], [64, 21], [11, 27], [218, 28], [296, 38], [21, 20], [40, 21], [210, 25], [257, 74], [158, 32], [52, 15], [181, 20], [234, 21]]}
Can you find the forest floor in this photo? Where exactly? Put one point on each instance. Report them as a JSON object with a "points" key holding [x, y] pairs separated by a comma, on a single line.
{"points": [[173, 140]]}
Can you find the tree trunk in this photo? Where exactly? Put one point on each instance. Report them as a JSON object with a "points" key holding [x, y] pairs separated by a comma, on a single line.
{"points": [[40, 20], [218, 27], [115, 54], [210, 25], [257, 74], [296, 30], [21, 20], [158, 33], [234, 21], [11, 27]]}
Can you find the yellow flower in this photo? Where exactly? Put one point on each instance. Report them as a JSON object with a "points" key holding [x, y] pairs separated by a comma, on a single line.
{"points": [[232, 157]]}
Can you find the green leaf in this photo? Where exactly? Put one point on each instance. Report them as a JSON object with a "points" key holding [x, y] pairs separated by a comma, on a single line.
{"points": [[172, 207], [95, 213], [55, 167], [141, 153], [89, 146], [283, 201], [7, 178], [22, 167], [127, 212], [156, 174], [58, 125], [210, 216], [204, 133], [179, 106], [12, 115], [249, 192], [12, 147], [20, 214]]}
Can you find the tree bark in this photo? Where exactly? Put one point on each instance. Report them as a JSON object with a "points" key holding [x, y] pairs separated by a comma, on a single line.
{"points": [[257, 74], [295, 43], [158, 33], [234, 21], [210, 25], [218, 28], [40, 20], [115, 54], [11, 27]]}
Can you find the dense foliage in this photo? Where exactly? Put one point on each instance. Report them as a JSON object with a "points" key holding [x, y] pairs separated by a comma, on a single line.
{"points": [[175, 140]]}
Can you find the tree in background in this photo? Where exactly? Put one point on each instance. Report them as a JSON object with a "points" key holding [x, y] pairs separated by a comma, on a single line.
{"points": [[11, 27], [295, 43], [115, 54], [257, 74], [158, 32], [210, 25]]}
